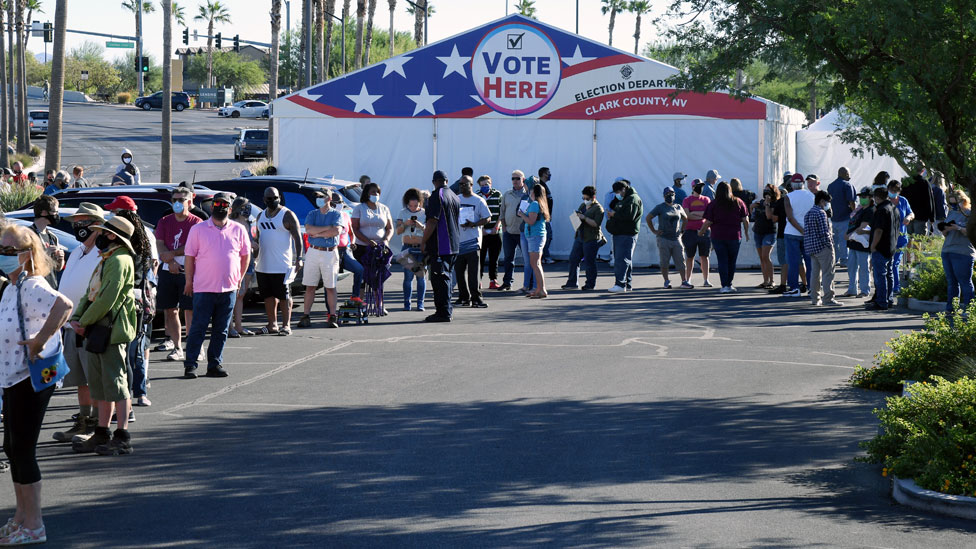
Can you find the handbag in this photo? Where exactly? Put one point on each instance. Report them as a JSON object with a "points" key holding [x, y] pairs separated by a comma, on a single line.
{"points": [[44, 372]]}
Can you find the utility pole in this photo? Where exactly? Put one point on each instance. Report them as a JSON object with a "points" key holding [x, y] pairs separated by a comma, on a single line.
{"points": [[139, 76], [577, 16]]}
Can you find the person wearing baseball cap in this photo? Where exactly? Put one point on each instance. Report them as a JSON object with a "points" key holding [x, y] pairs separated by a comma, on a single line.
{"points": [[678, 180], [858, 241], [670, 217], [797, 204], [440, 243], [711, 179], [109, 303]]}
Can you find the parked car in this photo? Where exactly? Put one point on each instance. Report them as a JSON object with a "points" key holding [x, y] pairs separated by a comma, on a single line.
{"points": [[296, 193], [181, 101], [250, 142], [266, 113], [37, 121], [247, 109]]}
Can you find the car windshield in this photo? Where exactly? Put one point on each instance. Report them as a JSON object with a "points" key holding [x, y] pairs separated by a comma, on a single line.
{"points": [[258, 135], [39, 115]]}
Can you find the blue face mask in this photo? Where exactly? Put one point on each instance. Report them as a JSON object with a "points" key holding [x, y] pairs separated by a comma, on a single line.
{"points": [[9, 263], [374, 198], [320, 202], [178, 207], [892, 196], [620, 196], [485, 189]]}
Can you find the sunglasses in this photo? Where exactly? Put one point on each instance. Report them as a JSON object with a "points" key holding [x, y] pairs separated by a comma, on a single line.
{"points": [[12, 251], [221, 204], [516, 179]]}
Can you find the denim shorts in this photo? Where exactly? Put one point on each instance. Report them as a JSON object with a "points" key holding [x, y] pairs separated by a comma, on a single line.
{"points": [[764, 239], [535, 244]]}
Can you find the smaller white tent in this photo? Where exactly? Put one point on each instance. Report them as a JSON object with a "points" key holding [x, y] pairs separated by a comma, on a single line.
{"points": [[819, 150]]}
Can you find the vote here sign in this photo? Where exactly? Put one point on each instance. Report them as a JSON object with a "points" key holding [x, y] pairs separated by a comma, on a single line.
{"points": [[516, 69]]}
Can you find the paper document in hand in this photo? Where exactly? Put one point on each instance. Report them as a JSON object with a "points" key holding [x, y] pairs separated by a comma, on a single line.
{"points": [[575, 220], [524, 205], [862, 239], [466, 215]]}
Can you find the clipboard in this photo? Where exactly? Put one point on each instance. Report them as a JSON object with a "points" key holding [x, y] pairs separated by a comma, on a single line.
{"points": [[575, 221], [523, 206]]}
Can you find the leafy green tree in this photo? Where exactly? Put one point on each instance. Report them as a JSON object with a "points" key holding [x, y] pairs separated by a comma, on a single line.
{"points": [[526, 8], [613, 7], [211, 12], [102, 76], [230, 70], [125, 67]]}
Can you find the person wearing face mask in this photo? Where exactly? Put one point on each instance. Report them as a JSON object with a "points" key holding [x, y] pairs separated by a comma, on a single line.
{"points": [[670, 216], [818, 242], [322, 226], [473, 215], [171, 234], [279, 261], [589, 238], [624, 224], [109, 304], [491, 240], [842, 203], [693, 243], [884, 244], [43, 311], [410, 224], [797, 204], [18, 174], [857, 238], [240, 212], [46, 215], [957, 251], [372, 224], [764, 232], [907, 216], [78, 271], [508, 210], [127, 173], [217, 254]]}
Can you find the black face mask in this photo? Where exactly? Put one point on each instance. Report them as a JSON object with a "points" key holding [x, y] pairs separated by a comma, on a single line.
{"points": [[102, 242], [220, 214], [53, 219], [82, 232], [272, 202]]}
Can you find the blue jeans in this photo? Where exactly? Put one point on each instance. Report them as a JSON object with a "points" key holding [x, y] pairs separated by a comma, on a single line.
{"points": [[441, 268], [408, 277], [545, 249], [136, 352], [727, 252], [528, 274], [584, 252], [349, 263], [207, 307], [839, 228], [794, 253], [959, 277], [883, 279], [858, 271], [509, 243], [895, 267], [623, 259]]}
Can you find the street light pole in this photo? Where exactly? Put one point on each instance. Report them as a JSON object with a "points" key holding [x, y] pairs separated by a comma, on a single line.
{"points": [[308, 43], [139, 79]]}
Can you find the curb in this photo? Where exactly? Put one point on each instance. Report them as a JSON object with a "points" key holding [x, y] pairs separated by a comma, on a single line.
{"points": [[926, 306], [906, 492]]}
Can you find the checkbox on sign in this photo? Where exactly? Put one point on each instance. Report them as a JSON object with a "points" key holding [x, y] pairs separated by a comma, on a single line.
{"points": [[515, 41]]}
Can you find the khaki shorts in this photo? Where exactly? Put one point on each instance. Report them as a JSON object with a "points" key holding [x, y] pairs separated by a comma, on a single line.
{"points": [[107, 377], [321, 265], [77, 359], [670, 250]]}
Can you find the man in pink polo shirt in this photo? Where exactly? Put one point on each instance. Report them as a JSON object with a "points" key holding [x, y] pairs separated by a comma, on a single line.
{"points": [[217, 255]]}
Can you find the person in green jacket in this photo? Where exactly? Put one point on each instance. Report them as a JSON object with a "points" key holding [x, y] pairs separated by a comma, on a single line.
{"points": [[109, 302], [623, 222]]}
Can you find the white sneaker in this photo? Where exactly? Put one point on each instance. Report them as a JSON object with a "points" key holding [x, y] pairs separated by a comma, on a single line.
{"points": [[166, 345], [835, 303], [792, 293], [725, 290], [616, 289], [732, 289], [176, 355]]}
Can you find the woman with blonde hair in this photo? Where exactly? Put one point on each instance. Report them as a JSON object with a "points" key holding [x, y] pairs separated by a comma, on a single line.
{"points": [[957, 251], [535, 217], [41, 312]]}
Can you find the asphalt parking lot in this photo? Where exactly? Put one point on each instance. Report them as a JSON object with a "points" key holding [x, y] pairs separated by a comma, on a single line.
{"points": [[675, 418]]}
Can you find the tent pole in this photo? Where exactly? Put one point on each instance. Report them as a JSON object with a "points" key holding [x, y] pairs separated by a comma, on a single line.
{"points": [[594, 152], [435, 144]]}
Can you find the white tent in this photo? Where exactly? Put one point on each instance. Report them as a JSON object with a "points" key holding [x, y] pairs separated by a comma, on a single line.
{"points": [[819, 150], [517, 93]]}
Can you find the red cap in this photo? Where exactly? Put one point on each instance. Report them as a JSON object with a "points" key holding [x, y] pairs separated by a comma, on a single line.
{"points": [[797, 178], [122, 203]]}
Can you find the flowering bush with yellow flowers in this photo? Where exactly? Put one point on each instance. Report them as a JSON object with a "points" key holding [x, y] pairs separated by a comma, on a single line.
{"points": [[930, 436], [936, 349]]}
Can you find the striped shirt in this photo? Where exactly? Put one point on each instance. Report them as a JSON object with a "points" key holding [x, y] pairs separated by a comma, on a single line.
{"points": [[816, 231], [493, 199]]}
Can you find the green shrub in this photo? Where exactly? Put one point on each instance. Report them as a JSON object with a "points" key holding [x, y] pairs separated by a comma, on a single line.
{"points": [[124, 98], [920, 354], [258, 168], [18, 196], [25, 159], [926, 281], [35, 151], [930, 437]]}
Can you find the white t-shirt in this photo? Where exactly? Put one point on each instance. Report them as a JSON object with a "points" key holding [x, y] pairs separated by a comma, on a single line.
{"points": [[78, 272], [38, 299], [474, 209], [372, 223], [405, 214], [801, 201]]}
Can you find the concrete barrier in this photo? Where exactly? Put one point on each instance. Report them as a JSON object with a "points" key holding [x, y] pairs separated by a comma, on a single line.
{"points": [[906, 492]]}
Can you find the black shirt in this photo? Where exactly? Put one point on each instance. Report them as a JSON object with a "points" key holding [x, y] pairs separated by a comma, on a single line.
{"points": [[442, 210], [779, 210], [761, 223], [862, 215], [886, 220], [50, 241]]}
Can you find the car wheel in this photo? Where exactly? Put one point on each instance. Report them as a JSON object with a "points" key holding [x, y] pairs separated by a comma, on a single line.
{"points": [[235, 114], [180, 107], [146, 107]]}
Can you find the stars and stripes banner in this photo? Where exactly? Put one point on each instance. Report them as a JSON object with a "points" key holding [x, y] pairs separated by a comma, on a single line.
{"points": [[516, 67]]}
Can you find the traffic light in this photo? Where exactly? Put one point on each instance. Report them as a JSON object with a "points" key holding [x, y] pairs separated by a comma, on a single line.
{"points": [[48, 32], [138, 64], [237, 43], [186, 37], [144, 66], [217, 41]]}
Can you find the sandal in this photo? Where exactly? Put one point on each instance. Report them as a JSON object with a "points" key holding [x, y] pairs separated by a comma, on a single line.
{"points": [[264, 330], [246, 332], [233, 334], [285, 331], [539, 296], [24, 536]]}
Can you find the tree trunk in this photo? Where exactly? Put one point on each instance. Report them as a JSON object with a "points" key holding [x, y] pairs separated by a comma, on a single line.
{"points": [[209, 54], [329, 26], [637, 34], [813, 101], [11, 115], [392, 32], [418, 25], [166, 162], [52, 160], [23, 130], [369, 31], [273, 76], [360, 16], [613, 16], [4, 125], [320, 16], [306, 5], [346, 11]]}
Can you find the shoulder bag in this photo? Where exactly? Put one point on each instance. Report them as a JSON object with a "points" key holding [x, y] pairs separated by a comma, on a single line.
{"points": [[44, 372]]}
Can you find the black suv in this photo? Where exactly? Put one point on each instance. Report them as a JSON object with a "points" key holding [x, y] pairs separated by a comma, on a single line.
{"points": [[155, 101], [296, 193]]}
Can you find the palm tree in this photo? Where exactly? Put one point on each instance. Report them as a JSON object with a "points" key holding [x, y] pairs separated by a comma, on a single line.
{"points": [[275, 49], [319, 40], [211, 12], [135, 6], [166, 161], [392, 32], [360, 16], [418, 19], [52, 160], [612, 7], [369, 30], [23, 133], [179, 14], [12, 127], [526, 8], [329, 25], [639, 7], [4, 124]]}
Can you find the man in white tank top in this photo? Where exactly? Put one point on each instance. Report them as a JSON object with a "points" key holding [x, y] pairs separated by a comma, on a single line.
{"points": [[798, 203], [280, 252]]}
